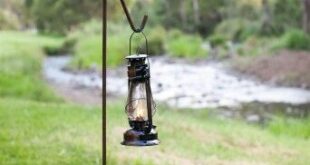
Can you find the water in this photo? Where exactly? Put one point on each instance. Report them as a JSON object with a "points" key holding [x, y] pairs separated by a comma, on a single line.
{"points": [[54, 71], [202, 85], [184, 85]]}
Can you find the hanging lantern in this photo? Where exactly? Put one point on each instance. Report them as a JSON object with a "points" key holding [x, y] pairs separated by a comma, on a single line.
{"points": [[140, 106]]}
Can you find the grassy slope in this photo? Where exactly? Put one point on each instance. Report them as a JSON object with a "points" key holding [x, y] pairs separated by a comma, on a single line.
{"points": [[195, 137], [20, 65], [48, 133], [88, 52], [36, 126]]}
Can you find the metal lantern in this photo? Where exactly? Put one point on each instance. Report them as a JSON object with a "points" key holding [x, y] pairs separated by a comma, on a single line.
{"points": [[140, 106]]}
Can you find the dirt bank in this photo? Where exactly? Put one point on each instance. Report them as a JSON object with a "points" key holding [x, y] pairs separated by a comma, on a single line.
{"points": [[285, 68]]}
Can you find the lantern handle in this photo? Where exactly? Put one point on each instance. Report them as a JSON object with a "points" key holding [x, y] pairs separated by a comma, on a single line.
{"points": [[144, 20], [146, 42]]}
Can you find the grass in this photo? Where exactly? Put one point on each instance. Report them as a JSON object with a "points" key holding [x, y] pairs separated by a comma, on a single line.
{"points": [[37, 127], [21, 55], [117, 50], [88, 52], [197, 137], [187, 46], [85, 43], [49, 133]]}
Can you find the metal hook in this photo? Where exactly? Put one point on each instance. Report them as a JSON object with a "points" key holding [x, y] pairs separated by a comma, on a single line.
{"points": [[137, 30]]}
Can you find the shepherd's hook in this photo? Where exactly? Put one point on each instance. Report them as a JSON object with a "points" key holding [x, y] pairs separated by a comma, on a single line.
{"points": [[137, 30]]}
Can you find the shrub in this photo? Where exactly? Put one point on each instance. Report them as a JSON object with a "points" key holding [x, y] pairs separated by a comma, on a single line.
{"points": [[89, 52], [237, 29], [296, 40], [217, 40], [156, 41], [287, 14], [117, 49], [86, 44], [186, 46]]}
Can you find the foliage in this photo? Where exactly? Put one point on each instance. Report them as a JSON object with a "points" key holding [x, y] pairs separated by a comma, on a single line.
{"points": [[88, 53], [189, 135], [61, 16], [257, 45], [156, 41], [13, 15], [217, 40], [296, 40], [85, 42], [117, 50], [188, 46], [20, 62], [287, 14], [243, 9], [237, 29], [183, 15]]}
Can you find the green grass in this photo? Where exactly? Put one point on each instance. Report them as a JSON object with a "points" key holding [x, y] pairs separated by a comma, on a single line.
{"points": [[37, 127], [49, 133], [21, 55], [117, 50], [88, 52], [85, 43], [186, 46], [197, 137]]}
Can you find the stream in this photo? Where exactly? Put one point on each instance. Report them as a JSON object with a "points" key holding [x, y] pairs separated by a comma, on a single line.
{"points": [[183, 84]]}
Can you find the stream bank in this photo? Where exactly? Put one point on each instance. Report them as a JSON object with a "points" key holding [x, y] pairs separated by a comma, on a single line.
{"points": [[182, 84]]}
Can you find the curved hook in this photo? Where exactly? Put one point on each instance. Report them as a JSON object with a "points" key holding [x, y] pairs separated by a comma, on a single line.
{"points": [[137, 30]]}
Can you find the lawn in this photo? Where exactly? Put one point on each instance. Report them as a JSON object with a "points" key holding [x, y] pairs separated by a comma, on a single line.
{"points": [[21, 56], [37, 126], [49, 133], [198, 137]]}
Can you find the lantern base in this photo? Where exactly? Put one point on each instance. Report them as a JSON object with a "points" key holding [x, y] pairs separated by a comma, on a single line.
{"points": [[140, 138]]}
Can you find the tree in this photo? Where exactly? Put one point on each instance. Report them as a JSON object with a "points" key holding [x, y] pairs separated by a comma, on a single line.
{"points": [[60, 16], [267, 27], [306, 16], [287, 14]]}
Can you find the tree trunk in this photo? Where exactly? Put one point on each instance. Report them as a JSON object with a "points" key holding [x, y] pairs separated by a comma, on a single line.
{"points": [[306, 16], [267, 18], [196, 12], [183, 13]]}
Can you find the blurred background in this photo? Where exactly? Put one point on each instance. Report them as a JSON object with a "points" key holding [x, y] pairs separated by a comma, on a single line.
{"points": [[230, 78], [50, 81]]}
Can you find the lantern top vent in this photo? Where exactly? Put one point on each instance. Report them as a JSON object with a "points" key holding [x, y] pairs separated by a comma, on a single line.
{"points": [[137, 56]]}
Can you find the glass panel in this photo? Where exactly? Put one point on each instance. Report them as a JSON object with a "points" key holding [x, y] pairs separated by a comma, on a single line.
{"points": [[137, 105]]}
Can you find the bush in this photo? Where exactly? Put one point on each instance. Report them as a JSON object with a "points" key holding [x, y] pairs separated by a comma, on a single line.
{"points": [[86, 44], [256, 45], [237, 29], [296, 40], [60, 16], [217, 40], [287, 14], [117, 49], [156, 41], [88, 53], [186, 46]]}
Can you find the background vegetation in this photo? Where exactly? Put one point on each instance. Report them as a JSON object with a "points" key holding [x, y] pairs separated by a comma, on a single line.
{"points": [[37, 125], [255, 27]]}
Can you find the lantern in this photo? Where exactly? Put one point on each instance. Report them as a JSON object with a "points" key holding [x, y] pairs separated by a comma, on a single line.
{"points": [[140, 106]]}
